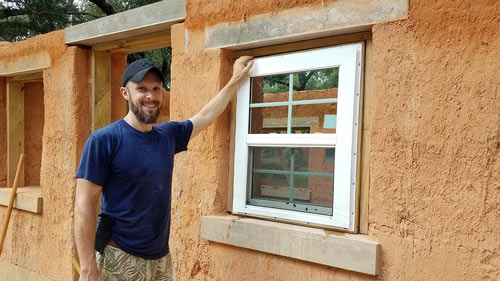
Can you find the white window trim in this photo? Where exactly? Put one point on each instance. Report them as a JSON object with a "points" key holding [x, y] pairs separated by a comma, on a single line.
{"points": [[348, 59]]}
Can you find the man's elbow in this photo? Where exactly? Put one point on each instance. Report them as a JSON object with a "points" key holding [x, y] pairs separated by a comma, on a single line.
{"points": [[83, 205]]}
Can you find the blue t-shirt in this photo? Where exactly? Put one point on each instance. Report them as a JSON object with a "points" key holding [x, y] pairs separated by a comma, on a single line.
{"points": [[135, 171]]}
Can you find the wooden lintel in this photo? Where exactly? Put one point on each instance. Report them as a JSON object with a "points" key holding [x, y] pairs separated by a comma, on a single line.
{"points": [[137, 44], [304, 45], [32, 77]]}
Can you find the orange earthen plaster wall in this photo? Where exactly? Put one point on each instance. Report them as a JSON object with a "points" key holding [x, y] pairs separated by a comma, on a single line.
{"points": [[434, 158], [201, 13], [42, 243], [33, 130], [435, 147], [3, 132]]}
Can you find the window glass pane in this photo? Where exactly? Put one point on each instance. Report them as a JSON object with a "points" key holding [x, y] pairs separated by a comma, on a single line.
{"points": [[317, 118], [266, 120], [312, 107], [298, 179], [323, 79], [272, 88]]}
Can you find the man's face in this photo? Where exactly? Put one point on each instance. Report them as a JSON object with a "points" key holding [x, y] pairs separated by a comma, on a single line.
{"points": [[145, 98]]}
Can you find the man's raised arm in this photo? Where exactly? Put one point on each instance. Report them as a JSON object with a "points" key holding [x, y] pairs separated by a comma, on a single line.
{"points": [[216, 106]]}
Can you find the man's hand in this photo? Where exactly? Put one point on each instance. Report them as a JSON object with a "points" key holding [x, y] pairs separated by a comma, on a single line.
{"points": [[241, 68]]}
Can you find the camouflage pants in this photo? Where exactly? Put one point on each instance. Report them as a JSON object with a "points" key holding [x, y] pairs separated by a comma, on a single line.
{"points": [[117, 265]]}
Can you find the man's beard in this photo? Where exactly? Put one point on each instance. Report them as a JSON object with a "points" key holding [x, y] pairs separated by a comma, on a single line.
{"points": [[143, 116]]}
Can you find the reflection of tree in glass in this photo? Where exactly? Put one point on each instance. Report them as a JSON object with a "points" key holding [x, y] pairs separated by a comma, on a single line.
{"points": [[307, 80]]}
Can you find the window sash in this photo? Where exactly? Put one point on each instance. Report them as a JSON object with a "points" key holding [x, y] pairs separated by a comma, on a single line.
{"points": [[292, 140], [296, 102], [348, 59]]}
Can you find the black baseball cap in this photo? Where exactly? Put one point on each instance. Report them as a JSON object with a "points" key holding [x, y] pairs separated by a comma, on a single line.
{"points": [[136, 71]]}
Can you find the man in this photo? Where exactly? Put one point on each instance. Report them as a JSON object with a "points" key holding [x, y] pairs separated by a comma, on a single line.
{"points": [[130, 161]]}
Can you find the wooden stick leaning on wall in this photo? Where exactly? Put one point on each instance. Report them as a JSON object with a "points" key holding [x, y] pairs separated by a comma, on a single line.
{"points": [[11, 201], [76, 265]]}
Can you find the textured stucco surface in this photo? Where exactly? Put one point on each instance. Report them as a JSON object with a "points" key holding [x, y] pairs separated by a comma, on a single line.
{"points": [[201, 174], [435, 169], [435, 148], [3, 131], [434, 160], [33, 130], [201, 13], [43, 244]]}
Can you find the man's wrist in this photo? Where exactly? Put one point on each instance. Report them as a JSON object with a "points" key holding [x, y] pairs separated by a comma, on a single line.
{"points": [[232, 82]]}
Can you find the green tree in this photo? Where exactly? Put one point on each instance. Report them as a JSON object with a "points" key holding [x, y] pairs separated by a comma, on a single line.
{"points": [[21, 19], [307, 80]]}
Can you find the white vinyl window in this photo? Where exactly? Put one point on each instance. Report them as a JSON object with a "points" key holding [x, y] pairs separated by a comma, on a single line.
{"points": [[296, 137]]}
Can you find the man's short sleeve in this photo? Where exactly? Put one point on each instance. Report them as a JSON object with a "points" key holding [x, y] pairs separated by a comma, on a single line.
{"points": [[94, 165], [182, 132]]}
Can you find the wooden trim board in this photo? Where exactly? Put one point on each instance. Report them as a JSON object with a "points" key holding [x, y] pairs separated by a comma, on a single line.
{"points": [[28, 198], [15, 130]]}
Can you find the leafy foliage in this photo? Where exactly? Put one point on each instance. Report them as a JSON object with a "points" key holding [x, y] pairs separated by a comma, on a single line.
{"points": [[22, 19], [161, 57], [308, 80]]}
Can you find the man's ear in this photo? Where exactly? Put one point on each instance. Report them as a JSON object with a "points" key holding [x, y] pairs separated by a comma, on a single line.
{"points": [[124, 93]]}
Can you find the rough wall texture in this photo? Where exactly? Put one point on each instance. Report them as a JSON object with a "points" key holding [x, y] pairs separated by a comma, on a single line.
{"points": [[3, 132], [201, 13], [197, 75], [436, 142], [434, 160], [42, 243], [33, 130], [434, 163]]}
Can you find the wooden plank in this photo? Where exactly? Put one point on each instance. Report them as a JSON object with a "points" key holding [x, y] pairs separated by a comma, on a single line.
{"points": [[15, 130], [33, 77], [304, 45], [366, 141], [137, 44], [101, 89], [27, 199]]}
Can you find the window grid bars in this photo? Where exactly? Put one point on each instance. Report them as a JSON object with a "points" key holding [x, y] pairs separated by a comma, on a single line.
{"points": [[296, 173], [297, 102], [290, 99]]}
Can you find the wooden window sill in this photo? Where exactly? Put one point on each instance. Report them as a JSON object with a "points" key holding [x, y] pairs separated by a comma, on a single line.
{"points": [[28, 198]]}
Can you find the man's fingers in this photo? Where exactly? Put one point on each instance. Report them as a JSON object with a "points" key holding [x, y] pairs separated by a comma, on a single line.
{"points": [[244, 59], [248, 67], [242, 66]]}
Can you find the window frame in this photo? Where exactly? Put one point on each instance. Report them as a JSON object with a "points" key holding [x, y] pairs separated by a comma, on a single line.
{"points": [[348, 58]]}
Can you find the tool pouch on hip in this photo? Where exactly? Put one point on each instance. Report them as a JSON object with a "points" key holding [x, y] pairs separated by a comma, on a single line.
{"points": [[103, 232]]}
